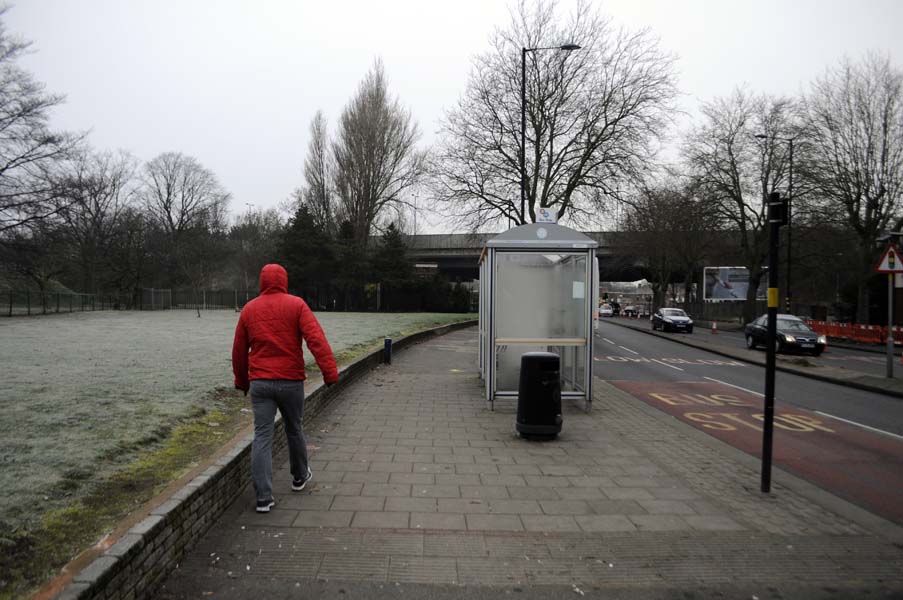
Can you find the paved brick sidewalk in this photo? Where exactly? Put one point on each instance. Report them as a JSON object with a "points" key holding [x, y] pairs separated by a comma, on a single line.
{"points": [[417, 482]]}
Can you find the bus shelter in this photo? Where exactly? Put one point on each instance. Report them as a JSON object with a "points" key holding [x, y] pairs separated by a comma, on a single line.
{"points": [[538, 293]]}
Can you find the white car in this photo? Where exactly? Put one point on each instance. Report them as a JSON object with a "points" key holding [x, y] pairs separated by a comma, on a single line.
{"points": [[605, 310]]}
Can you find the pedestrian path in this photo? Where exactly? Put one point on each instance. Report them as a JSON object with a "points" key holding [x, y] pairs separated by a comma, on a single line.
{"points": [[418, 483]]}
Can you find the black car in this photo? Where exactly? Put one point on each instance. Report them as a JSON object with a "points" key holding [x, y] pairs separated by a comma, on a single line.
{"points": [[672, 319], [792, 334]]}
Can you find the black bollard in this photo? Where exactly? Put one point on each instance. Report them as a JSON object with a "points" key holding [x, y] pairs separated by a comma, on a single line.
{"points": [[387, 351]]}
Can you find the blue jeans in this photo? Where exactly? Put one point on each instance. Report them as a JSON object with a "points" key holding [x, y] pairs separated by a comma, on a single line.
{"points": [[266, 396]]}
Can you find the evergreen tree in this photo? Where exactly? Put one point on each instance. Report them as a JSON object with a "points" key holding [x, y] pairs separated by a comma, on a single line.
{"points": [[390, 263], [392, 270], [309, 257]]}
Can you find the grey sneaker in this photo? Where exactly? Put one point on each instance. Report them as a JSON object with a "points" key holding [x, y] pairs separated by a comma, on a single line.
{"points": [[299, 484], [264, 506]]}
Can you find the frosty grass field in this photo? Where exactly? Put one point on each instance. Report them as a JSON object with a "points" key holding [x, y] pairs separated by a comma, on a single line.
{"points": [[77, 388]]}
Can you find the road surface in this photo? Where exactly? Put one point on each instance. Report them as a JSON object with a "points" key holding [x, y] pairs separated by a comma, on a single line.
{"points": [[847, 441]]}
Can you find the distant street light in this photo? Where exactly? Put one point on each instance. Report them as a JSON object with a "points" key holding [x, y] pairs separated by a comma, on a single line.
{"points": [[523, 120], [761, 136]]}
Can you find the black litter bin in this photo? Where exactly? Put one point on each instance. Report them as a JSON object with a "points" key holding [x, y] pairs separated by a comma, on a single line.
{"points": [[539, 395]]}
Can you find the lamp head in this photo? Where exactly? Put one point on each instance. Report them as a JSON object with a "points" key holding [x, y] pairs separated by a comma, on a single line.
{"points": [[570, 47]]}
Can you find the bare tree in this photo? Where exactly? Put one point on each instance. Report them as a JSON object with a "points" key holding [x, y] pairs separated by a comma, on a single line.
{"points": [[671, 230], [855, 130], [179, 193], [375, 153], [187, 203], [735, 171], [255, 236], [128, 255], [317, 192], [38, 252], [99, 190], [593, 117], [28, 149], [649, 220]]}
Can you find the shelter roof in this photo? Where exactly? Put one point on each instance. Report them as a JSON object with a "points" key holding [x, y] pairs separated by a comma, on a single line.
{"points": [[542, 235]]}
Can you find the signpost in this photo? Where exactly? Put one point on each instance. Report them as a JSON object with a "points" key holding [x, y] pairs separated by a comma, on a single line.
{"points": [[890, 263], [777, 216]]}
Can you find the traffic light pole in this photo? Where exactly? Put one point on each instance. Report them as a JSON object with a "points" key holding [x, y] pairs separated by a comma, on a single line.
{"points": [[776, 214], [890, 321]]}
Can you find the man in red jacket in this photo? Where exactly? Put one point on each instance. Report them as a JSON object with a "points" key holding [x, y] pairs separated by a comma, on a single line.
{"points": [[272, 326]]}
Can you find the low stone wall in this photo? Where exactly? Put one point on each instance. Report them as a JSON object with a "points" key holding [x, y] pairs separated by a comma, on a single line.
{"points": [[135, 566]]}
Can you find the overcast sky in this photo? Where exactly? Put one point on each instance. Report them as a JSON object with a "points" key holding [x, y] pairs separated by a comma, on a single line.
{"points": [[236, 83]]}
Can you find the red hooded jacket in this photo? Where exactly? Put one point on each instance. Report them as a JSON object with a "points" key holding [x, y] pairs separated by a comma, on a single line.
{"points": [[272, 326]]}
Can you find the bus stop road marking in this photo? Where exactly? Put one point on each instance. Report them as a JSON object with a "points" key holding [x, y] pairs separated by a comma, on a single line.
{"points": [[855, 462], [824, 414], [671, 362]]}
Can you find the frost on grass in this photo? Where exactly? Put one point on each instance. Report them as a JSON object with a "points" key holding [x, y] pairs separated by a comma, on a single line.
{"points": [[82, 391]]}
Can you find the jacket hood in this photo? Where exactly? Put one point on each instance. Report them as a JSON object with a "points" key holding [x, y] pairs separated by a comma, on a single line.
{"points": [[273, 279]]}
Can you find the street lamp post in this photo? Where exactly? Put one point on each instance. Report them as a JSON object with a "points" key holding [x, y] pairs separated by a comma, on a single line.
{"points": [[789, 296], [523, 120]]}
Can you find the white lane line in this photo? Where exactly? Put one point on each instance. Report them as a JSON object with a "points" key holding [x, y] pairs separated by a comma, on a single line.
{"points": [[609, 341], [628, 349], [734, 386], [666, 364], [893, 435], [818, 412]]}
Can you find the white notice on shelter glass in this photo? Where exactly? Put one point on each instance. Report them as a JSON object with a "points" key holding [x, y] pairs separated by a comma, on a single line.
{"points": [[578, 290]]}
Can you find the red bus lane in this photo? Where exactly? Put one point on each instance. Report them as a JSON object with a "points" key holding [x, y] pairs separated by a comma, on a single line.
{"points": [[862, 466]]}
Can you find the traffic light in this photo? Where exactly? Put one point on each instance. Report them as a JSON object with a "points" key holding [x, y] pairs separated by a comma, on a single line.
{"points": [[777, 209]]}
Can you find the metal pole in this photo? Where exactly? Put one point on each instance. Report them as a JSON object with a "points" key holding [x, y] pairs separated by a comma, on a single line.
{"points": [[774, 223], [789, 229], [523, 134], [387, 351], [890, 323]]}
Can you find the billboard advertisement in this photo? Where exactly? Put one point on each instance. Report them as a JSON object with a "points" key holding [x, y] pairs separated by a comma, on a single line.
{"points": [[730, 284]]}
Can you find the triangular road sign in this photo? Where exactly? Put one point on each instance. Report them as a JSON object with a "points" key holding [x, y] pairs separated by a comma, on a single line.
{"points": [[890, 261]]}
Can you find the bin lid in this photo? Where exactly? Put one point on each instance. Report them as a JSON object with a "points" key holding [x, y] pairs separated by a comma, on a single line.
{"points": [[542, 235], [539, 355]]}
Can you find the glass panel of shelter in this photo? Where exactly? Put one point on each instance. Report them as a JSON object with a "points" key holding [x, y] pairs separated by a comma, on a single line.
{"points": [[540, 305]]}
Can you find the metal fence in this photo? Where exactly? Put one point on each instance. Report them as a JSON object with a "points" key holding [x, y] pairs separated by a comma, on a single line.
{"points": [[30, 302], [210, 299], [27, 302]]}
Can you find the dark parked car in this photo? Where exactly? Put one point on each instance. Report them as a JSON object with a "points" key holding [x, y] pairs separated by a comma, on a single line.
{"points": [[672, 319], [792, 334]]}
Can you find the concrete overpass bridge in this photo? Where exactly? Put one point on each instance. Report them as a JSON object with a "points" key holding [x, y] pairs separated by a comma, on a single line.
{"points": [[457, 255]]}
